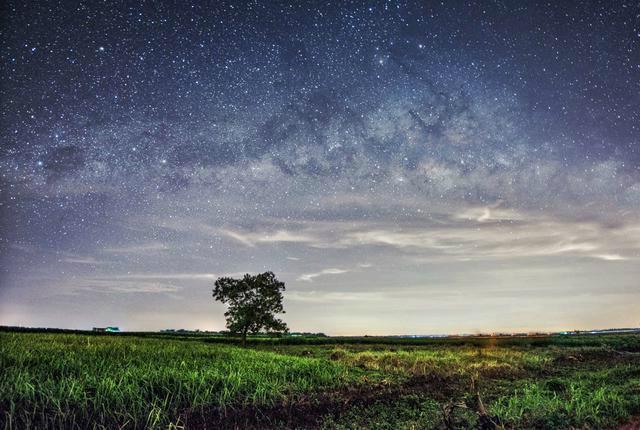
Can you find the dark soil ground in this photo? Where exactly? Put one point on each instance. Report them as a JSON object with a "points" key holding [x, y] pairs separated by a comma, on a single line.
{"points": [[309, 411], [633, 424]]}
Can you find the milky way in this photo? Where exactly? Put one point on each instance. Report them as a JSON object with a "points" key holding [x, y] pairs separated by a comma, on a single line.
{"points": [[405, 167]]}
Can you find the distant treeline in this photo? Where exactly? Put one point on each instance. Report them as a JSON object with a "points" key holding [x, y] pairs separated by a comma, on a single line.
{"points": [[164, 332], [627, 342], [622, 341]]}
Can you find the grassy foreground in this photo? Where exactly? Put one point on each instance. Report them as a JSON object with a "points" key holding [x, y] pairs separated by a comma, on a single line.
{"points": [[80, 381]]}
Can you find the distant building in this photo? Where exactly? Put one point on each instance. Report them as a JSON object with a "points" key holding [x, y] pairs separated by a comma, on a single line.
{"points": [[106, 329]]}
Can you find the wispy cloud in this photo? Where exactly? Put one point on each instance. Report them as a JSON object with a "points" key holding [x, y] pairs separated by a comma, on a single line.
{"points": [[472, 233], [309, 277], [83, 260], [252, 239], [151, 283], [177, 276], [144, 248], [108, 285], [335, 296], [489, 213], [609, 257]]}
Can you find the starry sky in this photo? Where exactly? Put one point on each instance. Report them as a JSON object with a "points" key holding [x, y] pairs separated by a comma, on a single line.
{"points": [[405, 167]]}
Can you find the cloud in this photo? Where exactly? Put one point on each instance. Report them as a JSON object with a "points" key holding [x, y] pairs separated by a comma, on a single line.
{"points": [[172, 276], [489, 213], [110, 285], [83, 260], [144, 248], [242, 238], [534, 238], [309, 277], [150, 283], [252, 239], [138, 287], [336, 296], [472, 232], [610, 257]]}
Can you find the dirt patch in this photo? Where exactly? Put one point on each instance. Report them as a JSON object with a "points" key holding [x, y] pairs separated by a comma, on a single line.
{"points": [[307, 411], [597, 356], [633, 424]]}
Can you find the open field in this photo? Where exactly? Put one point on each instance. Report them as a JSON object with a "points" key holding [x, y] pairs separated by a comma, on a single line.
{"points": [[173, 381]]}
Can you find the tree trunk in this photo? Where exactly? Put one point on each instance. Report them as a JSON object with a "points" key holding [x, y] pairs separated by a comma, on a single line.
{"points": [[244, 338]]}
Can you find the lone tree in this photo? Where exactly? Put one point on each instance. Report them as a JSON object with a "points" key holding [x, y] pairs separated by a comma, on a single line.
{"points": [[252, 303]]}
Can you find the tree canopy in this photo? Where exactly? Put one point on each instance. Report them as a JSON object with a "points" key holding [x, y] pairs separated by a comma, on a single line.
{"points": [[253, 302]]}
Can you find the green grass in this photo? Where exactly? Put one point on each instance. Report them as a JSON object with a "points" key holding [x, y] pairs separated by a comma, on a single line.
{"points": [[67, 381], [80, 381], [588, 399]]}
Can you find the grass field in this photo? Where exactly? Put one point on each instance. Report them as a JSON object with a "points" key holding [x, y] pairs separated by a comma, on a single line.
{"points": [[169, 381]]}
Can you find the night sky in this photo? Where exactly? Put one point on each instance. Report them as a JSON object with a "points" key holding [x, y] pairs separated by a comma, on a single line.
{"points": [[405, 167]]}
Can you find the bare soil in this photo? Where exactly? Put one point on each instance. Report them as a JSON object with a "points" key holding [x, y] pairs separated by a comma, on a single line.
{"points": [[307, 411], [633, 424]]}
